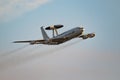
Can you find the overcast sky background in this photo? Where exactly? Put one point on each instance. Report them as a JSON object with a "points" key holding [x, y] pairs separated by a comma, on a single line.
{"points": [[93, 59]]}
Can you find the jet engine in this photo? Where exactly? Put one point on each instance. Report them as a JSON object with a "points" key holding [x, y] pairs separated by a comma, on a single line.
{"points": [[84, 36], [91, 35]]}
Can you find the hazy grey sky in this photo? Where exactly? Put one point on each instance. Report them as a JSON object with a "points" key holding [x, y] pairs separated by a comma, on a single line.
{"points": [[92, 59]]}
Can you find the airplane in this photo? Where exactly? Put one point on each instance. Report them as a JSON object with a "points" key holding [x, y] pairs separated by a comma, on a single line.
{"points": [[76, 32]]}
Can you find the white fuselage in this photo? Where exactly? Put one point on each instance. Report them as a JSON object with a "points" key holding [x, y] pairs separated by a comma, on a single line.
{"points": [[61, 38]]}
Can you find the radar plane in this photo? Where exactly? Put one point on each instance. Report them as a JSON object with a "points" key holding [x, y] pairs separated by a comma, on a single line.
{"points": [[57, 38]]}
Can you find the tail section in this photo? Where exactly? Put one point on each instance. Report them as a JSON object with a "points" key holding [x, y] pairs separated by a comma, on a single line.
{"points": [[45, 36]]}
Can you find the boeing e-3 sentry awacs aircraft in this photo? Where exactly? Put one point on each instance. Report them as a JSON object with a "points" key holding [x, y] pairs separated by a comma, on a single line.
{"points": [[59, 38]]}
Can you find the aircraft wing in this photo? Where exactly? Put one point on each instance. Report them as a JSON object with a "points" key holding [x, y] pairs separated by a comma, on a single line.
{"points": [[22, 41]]}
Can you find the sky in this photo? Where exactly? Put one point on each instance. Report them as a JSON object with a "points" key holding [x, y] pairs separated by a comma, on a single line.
{"points": [[91, 59]]}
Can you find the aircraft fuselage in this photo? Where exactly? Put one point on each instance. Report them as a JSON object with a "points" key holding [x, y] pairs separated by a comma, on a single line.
{"points": [[68, 35]]}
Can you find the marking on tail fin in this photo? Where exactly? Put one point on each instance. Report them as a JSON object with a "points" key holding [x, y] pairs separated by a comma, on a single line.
{"points": [[44, 34]]}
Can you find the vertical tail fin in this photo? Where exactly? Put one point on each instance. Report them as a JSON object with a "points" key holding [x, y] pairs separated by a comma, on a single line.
{"points": [[44, 34]]}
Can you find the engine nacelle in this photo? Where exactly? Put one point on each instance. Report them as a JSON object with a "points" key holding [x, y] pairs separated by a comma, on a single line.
{"points": [[84, 36], [91, 35], [54, 27]]}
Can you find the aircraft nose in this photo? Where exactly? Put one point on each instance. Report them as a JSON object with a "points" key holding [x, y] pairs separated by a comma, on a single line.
{"points": [[81, 29]]}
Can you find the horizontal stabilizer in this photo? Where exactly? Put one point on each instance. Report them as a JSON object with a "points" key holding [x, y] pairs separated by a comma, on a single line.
{"points": [[21, 41], [31, 41]]}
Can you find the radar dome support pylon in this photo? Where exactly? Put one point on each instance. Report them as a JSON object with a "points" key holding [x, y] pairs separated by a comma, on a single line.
{"points": [[54, 29]]}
